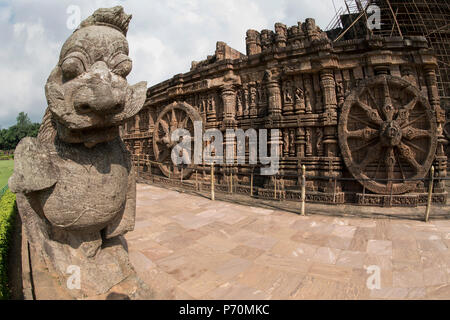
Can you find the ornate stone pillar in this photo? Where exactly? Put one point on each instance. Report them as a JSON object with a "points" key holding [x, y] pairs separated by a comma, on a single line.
{"points": [[276, 139], [266, 39], [300, 142], [253, 110], [440, 162], [229, 120], [229, 104], [137, 120], [328, 86], [211, 109], [253, 42], [273, 89], [330, 135], [280, 35]]}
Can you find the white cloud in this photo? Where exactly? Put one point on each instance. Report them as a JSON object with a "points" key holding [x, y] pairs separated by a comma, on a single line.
{"points": [[164, 37]]}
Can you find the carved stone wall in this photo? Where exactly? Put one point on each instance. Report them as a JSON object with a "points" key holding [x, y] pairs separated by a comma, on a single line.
{"points": [[296, 80]]}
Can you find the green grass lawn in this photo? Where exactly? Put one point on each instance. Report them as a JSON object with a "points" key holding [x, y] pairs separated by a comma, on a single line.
{"points": [[6, 169]]}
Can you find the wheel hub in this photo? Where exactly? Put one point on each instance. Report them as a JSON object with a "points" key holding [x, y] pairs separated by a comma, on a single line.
{"points": [[390, 134]]}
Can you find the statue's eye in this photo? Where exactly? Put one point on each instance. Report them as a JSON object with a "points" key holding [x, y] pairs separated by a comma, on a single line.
{"points": [[72, 67], [123, 68], [121, 65]]}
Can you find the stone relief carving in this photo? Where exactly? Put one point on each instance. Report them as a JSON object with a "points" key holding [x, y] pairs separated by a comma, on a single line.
{"points": [[291, 143], [299, 101], [308, 133], [319, 146], [308, 88]]}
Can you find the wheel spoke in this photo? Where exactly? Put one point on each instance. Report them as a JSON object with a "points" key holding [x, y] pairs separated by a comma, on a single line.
{"points": [[375, 103], [365, 134], [400, 165], [409, 155], [173, 121], [165, 126], [370, 156], [379, 164], [388, 107], [413, 121], [410, 144], [163, 155], [370, 112], [364, 145], [390, 164], [361, 121], [183, 123], [403, 114], [411, 133]]}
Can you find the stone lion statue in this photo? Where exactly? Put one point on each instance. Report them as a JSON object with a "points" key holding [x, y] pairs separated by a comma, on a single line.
{"points": [[75, 184]]}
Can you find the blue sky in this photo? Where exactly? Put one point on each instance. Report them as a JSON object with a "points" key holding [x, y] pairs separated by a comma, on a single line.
{"points": [[164, 37]]}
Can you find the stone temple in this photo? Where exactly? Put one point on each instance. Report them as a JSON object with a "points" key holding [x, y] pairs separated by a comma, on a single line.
{"points": [[362, 115]]}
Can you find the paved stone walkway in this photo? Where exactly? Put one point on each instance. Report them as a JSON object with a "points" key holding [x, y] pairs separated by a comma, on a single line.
{"points": [[188, 247]]}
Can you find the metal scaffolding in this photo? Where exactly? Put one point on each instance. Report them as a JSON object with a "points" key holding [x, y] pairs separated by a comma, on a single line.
{"points": [[428, 18]]}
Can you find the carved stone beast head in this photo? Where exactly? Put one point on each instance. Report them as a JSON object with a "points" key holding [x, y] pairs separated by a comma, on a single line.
{"points": [[87, 92]]}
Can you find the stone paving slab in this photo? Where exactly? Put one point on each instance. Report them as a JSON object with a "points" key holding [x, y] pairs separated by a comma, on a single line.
{"points": [[188, 247]]}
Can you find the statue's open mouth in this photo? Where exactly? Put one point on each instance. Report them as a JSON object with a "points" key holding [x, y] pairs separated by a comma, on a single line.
{"points": [[88, 136]]}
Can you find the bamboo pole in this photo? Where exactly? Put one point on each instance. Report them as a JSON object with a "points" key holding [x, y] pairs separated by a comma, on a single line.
{"points": [[395, 19], [251, 183], [231, 181], [150, 168], [390, 195], [430, 193], [364, 194], [138, 165], [334, 190], [212, 181], [275, 187], [196, 179], [303, 190]]}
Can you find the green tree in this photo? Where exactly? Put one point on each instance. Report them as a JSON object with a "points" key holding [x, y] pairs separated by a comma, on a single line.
{"points": [[9, 138]]}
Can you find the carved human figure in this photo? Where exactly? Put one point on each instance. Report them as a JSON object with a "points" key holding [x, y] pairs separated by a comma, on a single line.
{"points": [[75, 183], [239, 103], [267, 75], [246, 101], [288, 94], [262, 96], [340, 93], [211, 103], [286, 142], [308, 107], [299, 100], [291, 143], [319, 135], [252, 96], [308, 142]]}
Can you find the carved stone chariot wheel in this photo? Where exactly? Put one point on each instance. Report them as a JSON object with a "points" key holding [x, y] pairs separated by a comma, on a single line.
{"points": [[178, 115], [387, 131]]}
